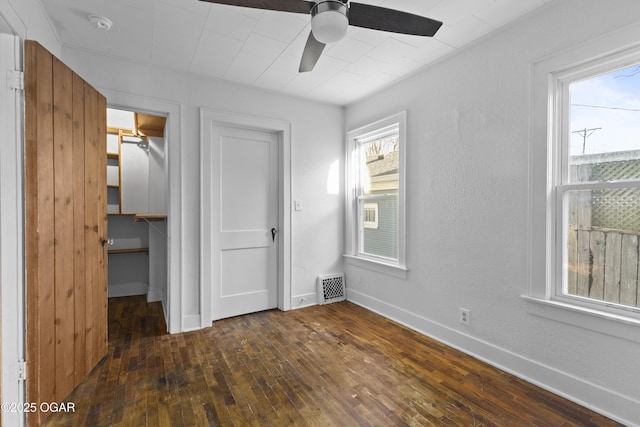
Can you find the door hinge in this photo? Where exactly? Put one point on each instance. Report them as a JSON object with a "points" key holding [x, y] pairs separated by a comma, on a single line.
{"points": [[22, 370], [15, 79]]}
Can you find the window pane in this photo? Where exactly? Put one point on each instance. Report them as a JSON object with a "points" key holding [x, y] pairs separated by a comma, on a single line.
{"points": [[379, 166], [383, 240], [380, 163], [605, 127], [601, 238]]}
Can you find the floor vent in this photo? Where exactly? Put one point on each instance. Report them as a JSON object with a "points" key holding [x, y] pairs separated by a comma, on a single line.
{"points": [[331, 288]]}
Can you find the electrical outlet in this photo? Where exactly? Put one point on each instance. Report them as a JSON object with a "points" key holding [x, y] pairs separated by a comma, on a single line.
{"points": [[465, 316]]}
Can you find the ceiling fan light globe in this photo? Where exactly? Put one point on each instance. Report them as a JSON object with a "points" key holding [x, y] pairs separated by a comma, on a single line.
{"points": [[329, 21]]}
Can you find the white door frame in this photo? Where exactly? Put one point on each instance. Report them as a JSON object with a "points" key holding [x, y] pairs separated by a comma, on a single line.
{"points": [[174, 310], [12, 285], [282, 128]]}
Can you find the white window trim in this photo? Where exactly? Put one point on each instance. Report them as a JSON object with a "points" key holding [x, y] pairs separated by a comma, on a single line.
{"points": [[352, 254], [614, 49]]}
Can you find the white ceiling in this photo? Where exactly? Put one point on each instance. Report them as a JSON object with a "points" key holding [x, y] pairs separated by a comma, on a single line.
{"points": [[263, 48]]}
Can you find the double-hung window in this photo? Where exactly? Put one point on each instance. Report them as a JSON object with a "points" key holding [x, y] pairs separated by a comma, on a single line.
{"points": [[598, 185], [593, 187], [375, 205]]}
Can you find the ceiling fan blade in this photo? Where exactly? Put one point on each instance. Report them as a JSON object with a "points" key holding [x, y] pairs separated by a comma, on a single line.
{"points": [[295, 6], [395, 21], [312, 51]]}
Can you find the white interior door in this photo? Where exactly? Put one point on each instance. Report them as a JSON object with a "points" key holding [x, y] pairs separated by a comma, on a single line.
{"points": [[245, 239]]}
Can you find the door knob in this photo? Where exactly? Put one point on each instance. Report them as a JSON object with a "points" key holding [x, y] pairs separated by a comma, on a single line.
{"points": [[106, 242]]}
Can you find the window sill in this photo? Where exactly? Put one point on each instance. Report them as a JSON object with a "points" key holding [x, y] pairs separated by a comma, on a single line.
{"points": [[377, 266], [607, 323]]}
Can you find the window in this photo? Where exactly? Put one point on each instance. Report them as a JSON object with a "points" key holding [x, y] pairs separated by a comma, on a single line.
{"points": [[598, 186], [376, 197], [593, 187]]}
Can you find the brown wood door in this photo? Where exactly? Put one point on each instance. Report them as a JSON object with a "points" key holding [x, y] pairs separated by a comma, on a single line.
{"points": [[66, 220]]}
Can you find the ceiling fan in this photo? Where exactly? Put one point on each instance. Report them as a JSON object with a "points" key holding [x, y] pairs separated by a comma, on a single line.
{"points": [[330, 19]]}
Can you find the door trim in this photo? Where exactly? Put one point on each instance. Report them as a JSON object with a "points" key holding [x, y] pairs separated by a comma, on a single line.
{"points": [[282, 128], [11, 229], [174, 313]]}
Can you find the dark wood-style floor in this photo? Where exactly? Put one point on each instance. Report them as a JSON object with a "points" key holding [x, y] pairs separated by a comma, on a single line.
{"points": [[333, 365]]}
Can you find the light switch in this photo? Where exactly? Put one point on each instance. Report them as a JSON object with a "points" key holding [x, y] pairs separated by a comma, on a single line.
{"points": [[297, 205]]}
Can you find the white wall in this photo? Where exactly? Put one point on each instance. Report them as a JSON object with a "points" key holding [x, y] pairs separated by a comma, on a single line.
{"points": [[28, 19], [468, 127], [317, 135], [157, 229], [157, 166], [128, 274], [158, 263]]}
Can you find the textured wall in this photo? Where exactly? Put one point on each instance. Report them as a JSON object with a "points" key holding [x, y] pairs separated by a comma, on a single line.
{"points": [[468, 131]]}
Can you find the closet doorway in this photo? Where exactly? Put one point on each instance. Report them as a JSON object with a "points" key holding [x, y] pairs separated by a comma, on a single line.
{"points": [[137, 206]]}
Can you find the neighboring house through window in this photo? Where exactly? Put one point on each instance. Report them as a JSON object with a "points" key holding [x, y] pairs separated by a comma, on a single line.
{"points": [[376, 192], [370, 215]]}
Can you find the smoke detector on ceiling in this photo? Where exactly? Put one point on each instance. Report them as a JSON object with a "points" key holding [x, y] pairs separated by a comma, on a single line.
{"points": [[100, 22]]}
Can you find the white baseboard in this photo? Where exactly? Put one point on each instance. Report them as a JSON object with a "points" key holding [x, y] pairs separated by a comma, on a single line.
{"points": [[166, 316], [305, 300], [620, 408], [127, 289], [191, 322], [155, 295]]}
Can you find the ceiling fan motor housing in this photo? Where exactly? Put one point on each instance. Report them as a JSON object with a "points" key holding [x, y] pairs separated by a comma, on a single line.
{"points": [[329, 21]]}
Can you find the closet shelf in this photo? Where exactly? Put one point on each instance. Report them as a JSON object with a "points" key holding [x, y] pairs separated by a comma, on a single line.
{"points": [[127, 251], [149, 217]]}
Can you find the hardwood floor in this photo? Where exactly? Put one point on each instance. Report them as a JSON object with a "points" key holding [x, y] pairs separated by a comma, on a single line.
{"points": [[333, 365]]}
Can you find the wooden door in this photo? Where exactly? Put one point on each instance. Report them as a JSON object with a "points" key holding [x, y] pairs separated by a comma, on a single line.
{"points": [[65, 196], [245, 166]]}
